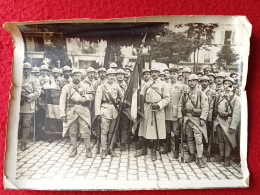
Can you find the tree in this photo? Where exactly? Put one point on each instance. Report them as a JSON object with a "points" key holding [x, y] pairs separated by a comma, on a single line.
{"points": [[172, 48], [227, 54], [201, 35]]}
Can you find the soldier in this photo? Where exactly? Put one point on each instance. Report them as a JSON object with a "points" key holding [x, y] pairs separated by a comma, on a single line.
{"points": [[211, 96], [162, 76], [106, 112], [227, 107], [200, 75], [180, 78], [101, 79], [156, 96], [90, 76], [113, 65], [171, 113], [236, 85], [35, 72], [186, 72], [128, 72], [44, 78], [167, 75], [31, 90], [65, 79], [146, 76], [74, 111], [219, 82], [195, 115], [212, 84], [56, 77], [180, 69]]}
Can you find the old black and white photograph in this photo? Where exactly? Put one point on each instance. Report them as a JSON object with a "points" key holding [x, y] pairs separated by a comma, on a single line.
{"points": [[123, 104]]}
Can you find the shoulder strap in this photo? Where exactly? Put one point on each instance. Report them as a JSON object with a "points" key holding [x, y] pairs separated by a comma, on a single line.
{"points": [[229, 102], [109, 96]]}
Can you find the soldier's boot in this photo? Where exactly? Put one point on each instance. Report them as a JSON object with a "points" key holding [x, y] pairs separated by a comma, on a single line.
{"points": [[23, 146], [200, 163], [153, 155], [140, 143], [219, 159], [167, 149], [112, 153], [143, 150], [122, 147], [176, 150], [73, 141], [227, 162], [89, 153], [191, 159], [103, 154]]}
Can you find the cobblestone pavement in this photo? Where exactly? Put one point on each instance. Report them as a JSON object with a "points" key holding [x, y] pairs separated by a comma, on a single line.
{"points": [[50, 161]]}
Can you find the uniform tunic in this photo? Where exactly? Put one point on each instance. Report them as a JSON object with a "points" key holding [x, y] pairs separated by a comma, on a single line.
{"points": [[155, 92], [64, 81]]}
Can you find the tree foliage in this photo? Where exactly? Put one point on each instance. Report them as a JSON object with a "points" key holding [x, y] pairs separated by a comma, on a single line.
{"points": [[227, 54]]}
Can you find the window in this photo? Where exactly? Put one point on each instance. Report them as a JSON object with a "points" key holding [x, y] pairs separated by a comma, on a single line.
{"points": [[207, 56], [39, 44], [227, 39]]}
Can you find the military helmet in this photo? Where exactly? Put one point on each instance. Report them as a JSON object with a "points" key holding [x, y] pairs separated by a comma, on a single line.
{"points": [[155, 69], [35, 70], [180, 67], [220, 74], [229, 79], [113, 65], [128, 68], [102, 69], [162, 73], [186, 69], [146, 70], [120, 71], [76, 70], [44, 67], [211, 74], [193, 77], [180, 75], [166, 69], [200, 73], [111, 71], [27, 65], [55, 70], [173, 70], [66, 68], [90, 69], [234, 73], [204, 78]]}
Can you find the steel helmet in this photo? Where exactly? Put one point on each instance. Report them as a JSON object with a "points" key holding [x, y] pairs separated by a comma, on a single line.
{"points": [[120, 71], [229, 79], [55, 70], [102, 69], [27, 65], [90, 69], [35, 69], [76, 70], [111, 71], [204, 78], [193, 77], [66, 68], [44, 67], [113, 65], [186, 69]]}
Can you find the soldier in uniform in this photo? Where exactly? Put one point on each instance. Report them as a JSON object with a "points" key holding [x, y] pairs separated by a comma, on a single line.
{"points": [[162, 76], [180, 69], [180, 78], [35, 72], [74, 111], [44, 78], [65, 79], [194, 115], [56, 77], [156, 96], [219, 82], [128, 72], [186, 72], [107, 96], [31, 90], [167, 75], [90, 76], [171, 113], [212, 84], [227, 106], [113, 65], [101, 79]]}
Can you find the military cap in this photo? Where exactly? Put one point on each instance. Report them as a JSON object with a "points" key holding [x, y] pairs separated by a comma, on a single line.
{"points": [[146, 70], [90, 69], [35, 69], [211, 74], [220, 74], [76, 70], [128, 68], [55, 70], [180, 67], [204, 78], [110, 71], [27, 65], [66, 68], [162, 73], [173, 70], [186, 69], [113, 65], [166, 69], [193, 77], [234, 73], [200, 73], [102, 69], [180, 75], [120, 71], [155, 69], [229, 79], [44, 67]]}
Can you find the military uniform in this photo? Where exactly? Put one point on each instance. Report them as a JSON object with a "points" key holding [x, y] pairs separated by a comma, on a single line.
{"points": [[105, 108], [75, 109], [64, 81], [196, 109], [97, 83], [31, 90]]}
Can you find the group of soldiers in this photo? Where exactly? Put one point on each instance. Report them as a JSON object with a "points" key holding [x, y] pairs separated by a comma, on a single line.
{"points": [[199, 109]]}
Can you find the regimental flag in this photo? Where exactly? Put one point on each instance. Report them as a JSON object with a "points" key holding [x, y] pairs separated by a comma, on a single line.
{"points": [[53, 122]]}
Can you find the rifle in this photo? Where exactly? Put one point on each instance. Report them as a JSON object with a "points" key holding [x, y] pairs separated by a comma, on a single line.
{"points": [[211, 131], [98, 137], [182, 126]]}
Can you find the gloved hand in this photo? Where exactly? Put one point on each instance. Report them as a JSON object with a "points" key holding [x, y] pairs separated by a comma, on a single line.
{"points": [[231, 131], [155, 107], [64, 119], [98, 118]]}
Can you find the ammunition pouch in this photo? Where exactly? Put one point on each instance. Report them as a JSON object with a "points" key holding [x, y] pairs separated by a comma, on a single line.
{"points": [[71, 103], [224, 115], [196, 112]]}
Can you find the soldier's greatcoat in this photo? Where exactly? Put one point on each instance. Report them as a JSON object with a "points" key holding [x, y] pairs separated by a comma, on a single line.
{"points": [[72, 93], [202, 103], [232, 111], [211, 95], [157, 92]]}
